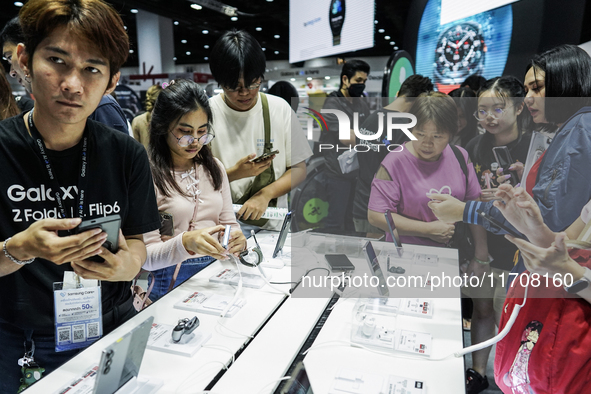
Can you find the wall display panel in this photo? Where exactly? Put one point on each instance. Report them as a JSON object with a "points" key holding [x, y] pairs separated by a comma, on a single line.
{"points": [[319, 28], [453, 10], [476, 45]]}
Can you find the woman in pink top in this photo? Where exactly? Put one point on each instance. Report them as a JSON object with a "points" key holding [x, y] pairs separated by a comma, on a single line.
{"points": [[192, 189], [428, 165]]}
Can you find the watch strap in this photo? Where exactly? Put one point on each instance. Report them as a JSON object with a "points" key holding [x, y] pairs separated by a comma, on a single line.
{"points": [[579, 285]]}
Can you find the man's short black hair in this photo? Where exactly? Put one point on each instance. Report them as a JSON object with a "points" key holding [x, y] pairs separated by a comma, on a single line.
{"points": [[351, 67], [415, 85], [12, 32], [237, 54], [474, 82]]}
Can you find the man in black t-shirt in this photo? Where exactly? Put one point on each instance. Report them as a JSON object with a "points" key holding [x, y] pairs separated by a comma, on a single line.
{"points": [[369, 162], [349, 100], [58, 166]]}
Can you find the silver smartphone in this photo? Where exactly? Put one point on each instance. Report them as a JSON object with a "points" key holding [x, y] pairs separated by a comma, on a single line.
{"points": [[121, 361]]}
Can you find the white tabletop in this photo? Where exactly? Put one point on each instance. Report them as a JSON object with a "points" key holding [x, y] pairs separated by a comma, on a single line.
{"points": [[177, 372]]}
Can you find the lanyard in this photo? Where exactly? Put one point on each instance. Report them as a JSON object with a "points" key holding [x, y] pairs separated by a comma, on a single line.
{"points": [[82, 178]]}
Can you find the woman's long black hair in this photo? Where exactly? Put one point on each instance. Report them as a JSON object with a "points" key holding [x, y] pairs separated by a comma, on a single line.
{"points": [[179, 98], [509, 89]]}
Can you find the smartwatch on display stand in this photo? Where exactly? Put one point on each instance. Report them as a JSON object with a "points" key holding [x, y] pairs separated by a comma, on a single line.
{"points": [[398, 68], [336, 17], [459, 54]]}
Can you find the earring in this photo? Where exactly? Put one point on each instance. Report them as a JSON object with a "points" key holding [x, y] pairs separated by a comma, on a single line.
{"points": [[27, 76]]}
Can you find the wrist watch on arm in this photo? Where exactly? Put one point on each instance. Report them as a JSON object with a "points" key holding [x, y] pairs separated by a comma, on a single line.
{"points": [[581, 284]]}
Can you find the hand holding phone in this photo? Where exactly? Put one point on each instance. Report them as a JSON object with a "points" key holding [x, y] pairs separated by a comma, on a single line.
{"points": [[264, 156], [497, 224], [110, 225], [503, 157]]}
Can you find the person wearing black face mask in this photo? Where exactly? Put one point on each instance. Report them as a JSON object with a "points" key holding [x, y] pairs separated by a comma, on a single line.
{"points": [[341, 185]]}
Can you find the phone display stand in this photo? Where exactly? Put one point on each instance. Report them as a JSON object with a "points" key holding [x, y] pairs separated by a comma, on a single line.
{"points": [[141, 385], [232, 277], [211, 304], [375, 328], [353, 381], [161, 340]]}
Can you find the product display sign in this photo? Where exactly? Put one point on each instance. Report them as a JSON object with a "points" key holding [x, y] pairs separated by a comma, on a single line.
{"points": [[329, 27], [451, 52]]}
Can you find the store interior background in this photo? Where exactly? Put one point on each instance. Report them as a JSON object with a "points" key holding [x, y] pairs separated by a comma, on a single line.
{"points": [[174, 38]]}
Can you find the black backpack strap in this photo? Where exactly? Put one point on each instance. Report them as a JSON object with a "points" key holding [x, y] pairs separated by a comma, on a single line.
{"points": [[462, 162]]}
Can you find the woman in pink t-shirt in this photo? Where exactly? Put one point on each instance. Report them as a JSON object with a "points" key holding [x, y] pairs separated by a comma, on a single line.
{"points": [[421, 167], [192, 189]]}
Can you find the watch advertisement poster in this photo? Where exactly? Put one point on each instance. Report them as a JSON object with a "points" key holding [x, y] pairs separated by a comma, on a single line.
{"points": [[476, 45]]}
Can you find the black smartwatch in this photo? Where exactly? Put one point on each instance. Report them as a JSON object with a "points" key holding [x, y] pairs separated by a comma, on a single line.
{"points": [[580, 284]]}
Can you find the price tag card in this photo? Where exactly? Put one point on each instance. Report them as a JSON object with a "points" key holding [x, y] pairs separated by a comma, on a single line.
{"points": [[419, 307], [414, 342], [78, 316]]}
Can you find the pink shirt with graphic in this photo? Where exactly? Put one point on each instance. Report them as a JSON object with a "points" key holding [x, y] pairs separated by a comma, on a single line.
{"points": [[412, 179]]}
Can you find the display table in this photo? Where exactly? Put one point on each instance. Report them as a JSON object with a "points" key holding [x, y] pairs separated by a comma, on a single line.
{"points": [[265, 361], [275, 327], [180, 373]]}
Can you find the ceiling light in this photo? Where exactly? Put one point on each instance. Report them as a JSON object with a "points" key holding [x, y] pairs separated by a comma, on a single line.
{"points": [[206, 46], [381, 31], [18, 4], [184, 41], [386, 37], [205, 31], [292, 79], [392, 43], [196, 7], [276, 36], [259, 29], [269, 1], [176, 23], [327, 77], [125, 27], [277, 52], [188, 53], [174, 58], [206, 58], [134, 11], [375, 22], [395, 48], [131, 51], [234, 18], [264, 49], [309, 78]]}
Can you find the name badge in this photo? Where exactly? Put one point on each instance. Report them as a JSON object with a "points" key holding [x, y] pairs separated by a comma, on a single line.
{"points": [[78, 315]]}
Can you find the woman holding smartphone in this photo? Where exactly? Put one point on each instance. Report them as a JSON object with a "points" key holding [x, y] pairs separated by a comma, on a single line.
{"points": [[192, 189]]}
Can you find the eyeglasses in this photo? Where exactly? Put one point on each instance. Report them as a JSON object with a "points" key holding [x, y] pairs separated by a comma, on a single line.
{"points": [[254, 86], [188, 139], [496, 113]]}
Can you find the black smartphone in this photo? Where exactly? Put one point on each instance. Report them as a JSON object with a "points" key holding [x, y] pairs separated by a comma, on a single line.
{"points": [[166, 224], [110, 225], [375, 269], [282, 234], [264, 156], [495, 223], [393, 232], [503, 157], [339, 262]]}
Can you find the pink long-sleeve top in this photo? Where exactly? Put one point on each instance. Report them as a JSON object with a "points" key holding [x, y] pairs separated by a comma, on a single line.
{"points": [[210, 207]]}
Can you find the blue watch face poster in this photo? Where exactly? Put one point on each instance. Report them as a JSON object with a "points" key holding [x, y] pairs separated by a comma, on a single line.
{"points": [[476, 45]]}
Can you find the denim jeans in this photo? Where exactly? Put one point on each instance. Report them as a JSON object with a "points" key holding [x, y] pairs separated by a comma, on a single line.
{"points": [[163, 277]]}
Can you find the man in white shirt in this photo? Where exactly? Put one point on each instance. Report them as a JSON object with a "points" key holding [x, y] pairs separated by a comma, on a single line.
{"points": [[237, 63]]}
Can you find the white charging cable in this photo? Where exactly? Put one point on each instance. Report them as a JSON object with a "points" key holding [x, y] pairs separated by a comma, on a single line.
{"points": [[461, 353], [238, 289], [269, 283]]}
